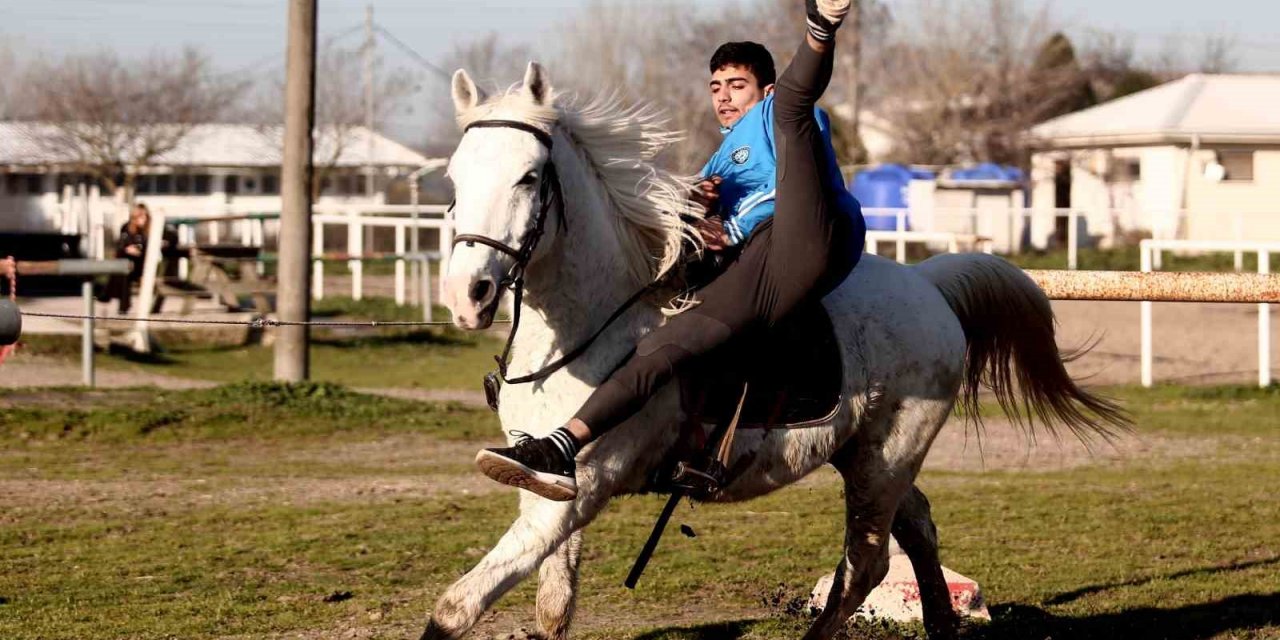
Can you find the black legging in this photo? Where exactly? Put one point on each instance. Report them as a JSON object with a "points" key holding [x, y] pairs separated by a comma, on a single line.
{"points": [[804, 252]]}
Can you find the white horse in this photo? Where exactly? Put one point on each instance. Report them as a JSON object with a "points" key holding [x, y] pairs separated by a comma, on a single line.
{"points": [[914, 340]]}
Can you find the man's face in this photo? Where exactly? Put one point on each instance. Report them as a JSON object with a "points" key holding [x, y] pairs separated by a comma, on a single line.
{"points": [[734, 90]]}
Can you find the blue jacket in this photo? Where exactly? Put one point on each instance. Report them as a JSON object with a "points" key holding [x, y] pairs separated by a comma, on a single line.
{"points": [[748, 165]]}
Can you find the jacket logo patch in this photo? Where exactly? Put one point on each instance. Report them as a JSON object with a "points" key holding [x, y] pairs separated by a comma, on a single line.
{"points": [[741, 155]]}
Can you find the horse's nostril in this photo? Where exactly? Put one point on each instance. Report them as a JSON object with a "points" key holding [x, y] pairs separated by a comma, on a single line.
{"points": [[480, 290]]}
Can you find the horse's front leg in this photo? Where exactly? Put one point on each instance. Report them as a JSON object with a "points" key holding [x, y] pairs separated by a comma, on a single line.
{"points": [[558, 588], [543, 526]]}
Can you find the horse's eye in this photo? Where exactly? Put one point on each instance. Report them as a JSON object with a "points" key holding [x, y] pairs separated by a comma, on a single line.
{"points": [[528, 179]]}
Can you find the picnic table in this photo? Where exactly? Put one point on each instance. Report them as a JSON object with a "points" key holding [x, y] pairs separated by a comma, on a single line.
{"points": [[222, 272]]}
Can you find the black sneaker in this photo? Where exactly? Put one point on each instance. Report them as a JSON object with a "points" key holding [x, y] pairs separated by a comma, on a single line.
{"points": [[534, 464], [825, 16]]}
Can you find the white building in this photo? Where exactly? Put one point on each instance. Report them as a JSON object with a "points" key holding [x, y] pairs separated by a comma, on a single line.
{"points": [[1197, 158], [217, 169]]}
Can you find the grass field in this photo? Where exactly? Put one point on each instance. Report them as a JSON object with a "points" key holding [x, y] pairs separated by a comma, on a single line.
{"points": [[257, 510]]}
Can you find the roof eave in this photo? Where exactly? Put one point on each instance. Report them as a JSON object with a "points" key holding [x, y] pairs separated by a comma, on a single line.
{"points": [[1082, 141]]}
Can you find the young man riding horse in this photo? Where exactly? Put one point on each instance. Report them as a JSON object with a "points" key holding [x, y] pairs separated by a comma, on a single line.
{"points": [[781, 197]]}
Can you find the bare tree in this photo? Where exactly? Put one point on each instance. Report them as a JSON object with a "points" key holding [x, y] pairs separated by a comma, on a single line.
{"points": [[13, 104], [658, 52], [1218, 53], [341, 111], [111, 117], [961, 80], [493, 65]]}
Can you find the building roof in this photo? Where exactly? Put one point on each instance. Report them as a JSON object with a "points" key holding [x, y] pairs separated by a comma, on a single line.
{"points": [[1221, 109], [219, 145]]}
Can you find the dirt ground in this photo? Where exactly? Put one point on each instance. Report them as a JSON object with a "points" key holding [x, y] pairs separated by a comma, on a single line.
{"points": [[1192, 343]]}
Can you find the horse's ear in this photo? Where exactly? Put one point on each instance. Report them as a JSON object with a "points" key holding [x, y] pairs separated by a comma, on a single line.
{"points": [[536, 84], [465, 94]]}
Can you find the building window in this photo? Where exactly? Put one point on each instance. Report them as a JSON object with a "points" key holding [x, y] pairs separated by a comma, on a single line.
{"points": [[249, 185], [231, 185], [164, 183], [271, 184], [144, 185], [182, 184], [202, 185], [1238, 165]]}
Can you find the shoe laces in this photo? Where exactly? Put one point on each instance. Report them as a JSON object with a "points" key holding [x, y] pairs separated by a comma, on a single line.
{"points": [[522, 438]]}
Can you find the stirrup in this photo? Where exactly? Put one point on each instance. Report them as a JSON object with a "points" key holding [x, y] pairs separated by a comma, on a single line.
{"points": [[698, 481]]}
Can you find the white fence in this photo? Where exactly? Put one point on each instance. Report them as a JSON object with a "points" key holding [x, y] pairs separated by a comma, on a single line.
{"points": [[1013, 230], [1151, 251], [412, 265]]}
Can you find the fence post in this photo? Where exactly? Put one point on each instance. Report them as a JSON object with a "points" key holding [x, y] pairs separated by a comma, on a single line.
{"points": [[1264, 327], [355, 249], [446, 249], [1144, 251], [900, 224], [86, 345], [1239, 255], [1073, 240], [317, 259], [426, 290], [260, 241], [400, 294]]}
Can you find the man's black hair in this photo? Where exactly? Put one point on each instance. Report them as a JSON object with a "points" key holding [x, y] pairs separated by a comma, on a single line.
{"points": [[749, 55]]}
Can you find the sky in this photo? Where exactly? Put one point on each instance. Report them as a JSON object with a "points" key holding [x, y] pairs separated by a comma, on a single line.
{"points": [[247, 36]]}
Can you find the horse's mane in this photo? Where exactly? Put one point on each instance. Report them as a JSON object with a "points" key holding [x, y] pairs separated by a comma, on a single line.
{"points": [[619, 142]]}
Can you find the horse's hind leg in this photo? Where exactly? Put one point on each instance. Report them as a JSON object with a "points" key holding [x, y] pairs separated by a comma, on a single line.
{"points": [[871, 499], [558, 588], [915, 532]]}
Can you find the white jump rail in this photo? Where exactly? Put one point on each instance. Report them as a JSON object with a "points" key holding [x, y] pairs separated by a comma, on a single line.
{"points": [[1150, 252]]}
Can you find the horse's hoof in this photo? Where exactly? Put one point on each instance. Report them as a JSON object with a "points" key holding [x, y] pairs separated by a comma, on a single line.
{"points": [[436, 632]]}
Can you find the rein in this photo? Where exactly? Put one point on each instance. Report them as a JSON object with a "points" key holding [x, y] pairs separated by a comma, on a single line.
{"points": [[549, 192]]}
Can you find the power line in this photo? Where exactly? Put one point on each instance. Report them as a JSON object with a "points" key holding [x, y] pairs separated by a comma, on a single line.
{"points": [[278, 57], [419, 58]]}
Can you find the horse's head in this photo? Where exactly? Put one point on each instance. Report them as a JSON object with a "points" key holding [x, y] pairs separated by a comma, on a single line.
{"points": [[505, 190]]}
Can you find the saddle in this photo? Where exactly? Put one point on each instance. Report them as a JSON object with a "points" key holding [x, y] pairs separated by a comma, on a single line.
{"points": [[788, 377]]}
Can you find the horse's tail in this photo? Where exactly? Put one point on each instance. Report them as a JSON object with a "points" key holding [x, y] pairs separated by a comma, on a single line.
{"points": [[1009, 327]]}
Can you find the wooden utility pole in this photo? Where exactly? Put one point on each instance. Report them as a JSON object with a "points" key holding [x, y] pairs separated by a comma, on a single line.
{"points": [[370, 81], [853, 65], [293, 299]]}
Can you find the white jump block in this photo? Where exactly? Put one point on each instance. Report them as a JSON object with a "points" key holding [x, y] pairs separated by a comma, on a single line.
{"points": [[898, 596]]}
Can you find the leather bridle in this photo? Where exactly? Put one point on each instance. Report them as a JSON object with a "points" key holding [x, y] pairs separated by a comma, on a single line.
{"points": [[549, 194]]}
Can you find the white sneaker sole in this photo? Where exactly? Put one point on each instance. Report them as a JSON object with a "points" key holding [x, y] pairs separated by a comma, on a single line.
{"points": [[509, 472]]}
